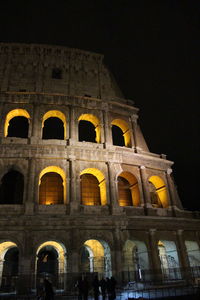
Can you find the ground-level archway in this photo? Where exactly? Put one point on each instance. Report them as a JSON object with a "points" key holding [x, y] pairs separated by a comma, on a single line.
{"points": [[51, 263], [135, 261], [169, 260], [9, 264], [95, 257]]}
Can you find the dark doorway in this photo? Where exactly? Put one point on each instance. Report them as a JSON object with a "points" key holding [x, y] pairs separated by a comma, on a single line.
{"points": [[47, 263], [10, 265], [86, 132], [117, 136], [12, 188], [53, 129], [18, 127]]}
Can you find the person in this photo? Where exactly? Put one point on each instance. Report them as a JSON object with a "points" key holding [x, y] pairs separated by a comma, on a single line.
{"points": [[111, 285], [85, 288], [48, 288], [95, 285], [80, 288], [103, 286]]}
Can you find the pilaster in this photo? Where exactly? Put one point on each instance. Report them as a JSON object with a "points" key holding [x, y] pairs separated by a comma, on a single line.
{"points": [[107, 130], [183, 256], [154, 255], [146, 193]]}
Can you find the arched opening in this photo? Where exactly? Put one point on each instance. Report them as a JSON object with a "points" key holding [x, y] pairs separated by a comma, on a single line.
{"points": [[117, 136], [52, 186], [51, 263], [136, 261], [158, 192], [53, 129], [12, 188], [121, 133], [51, 189], [128, 190], [17, 123], [86, 132], [193, 253], [47, 262], [90, 191], [89, 129], [93, 187], [169, 259], [54, 125], [9, 264], [95, 257]]}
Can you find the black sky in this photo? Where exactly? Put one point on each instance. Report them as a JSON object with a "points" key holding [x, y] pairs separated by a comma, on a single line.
{"points": [[151, 47]]}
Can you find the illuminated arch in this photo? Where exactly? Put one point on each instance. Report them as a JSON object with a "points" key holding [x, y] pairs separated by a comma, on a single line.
{"points": [[95, 121], [169, 259], [193, 253], [14, 113], [159, 194], [132, 188], [61, 251], [4, 248], [102, 182], [98, 258], [59, 171], [125, 129], [56, 114], [135, 259]]}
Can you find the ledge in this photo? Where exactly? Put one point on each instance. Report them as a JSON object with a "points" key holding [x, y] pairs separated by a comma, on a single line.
{"points": [[11, 209]]}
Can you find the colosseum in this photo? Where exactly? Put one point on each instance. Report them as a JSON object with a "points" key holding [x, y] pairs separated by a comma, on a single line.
{"points": [[80, 192]]}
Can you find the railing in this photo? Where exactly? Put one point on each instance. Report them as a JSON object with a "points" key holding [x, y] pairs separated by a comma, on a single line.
{"points": [[151, 285]]}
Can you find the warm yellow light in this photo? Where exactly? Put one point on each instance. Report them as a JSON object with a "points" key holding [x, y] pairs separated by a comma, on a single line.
{"points": [[59, 171], [14, 113], [125, 129], [135, 193], [56, 114], [102, 182], [61, 253], [95, 121], [4, 247], [96, 247], [161, 190]]}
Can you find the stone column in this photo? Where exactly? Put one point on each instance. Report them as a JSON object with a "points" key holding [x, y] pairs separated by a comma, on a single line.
{"points": [[154, 255], [113, 187], [145, 187], [74, 185], [73, 128], [36, 125], [117, 255], [73, 258], [183, 255], [134, 133], [107, 130], [30, 188], [25, 266], [172, 190]]}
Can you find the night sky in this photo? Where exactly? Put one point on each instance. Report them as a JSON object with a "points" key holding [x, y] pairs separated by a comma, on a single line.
{"points": [[153, 50]]}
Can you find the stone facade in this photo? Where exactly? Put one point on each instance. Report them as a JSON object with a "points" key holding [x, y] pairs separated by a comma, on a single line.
{"points": [[70, 83]]}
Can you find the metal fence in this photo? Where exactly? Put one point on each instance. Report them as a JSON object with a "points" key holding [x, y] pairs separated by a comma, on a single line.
{"points": [[148, 286]]}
